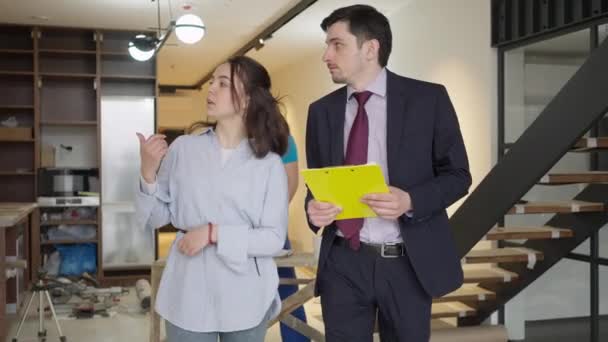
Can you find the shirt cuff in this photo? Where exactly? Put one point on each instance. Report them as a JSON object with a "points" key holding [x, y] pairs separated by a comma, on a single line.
{"points": [[147, 188]]}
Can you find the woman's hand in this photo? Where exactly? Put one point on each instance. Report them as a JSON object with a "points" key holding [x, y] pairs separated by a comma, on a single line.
{"points": [[152, 151], [194, 241]]}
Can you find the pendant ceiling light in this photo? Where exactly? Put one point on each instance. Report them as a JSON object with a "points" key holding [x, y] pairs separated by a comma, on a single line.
{"points": [[189, 29]]}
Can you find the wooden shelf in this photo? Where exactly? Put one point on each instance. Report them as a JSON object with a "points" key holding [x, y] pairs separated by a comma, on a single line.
{"points": [[16, 51], [29, 140], [528, 233], [556, 207], [67, 222], [68, 123], [68, 52], [16, 107], [116, 53], [488, 275], [126, 268], [67, 242], [16, 173], [66, 75], [467, 293], [587, 177], [127, 77], [16, 73], [502, 255]]}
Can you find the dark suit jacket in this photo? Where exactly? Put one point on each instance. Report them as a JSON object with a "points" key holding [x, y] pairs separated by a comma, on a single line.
{"points": [[426, 157]]}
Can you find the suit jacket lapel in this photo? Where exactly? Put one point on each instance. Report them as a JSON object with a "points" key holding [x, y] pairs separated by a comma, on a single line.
{"points": [[336, 113]]}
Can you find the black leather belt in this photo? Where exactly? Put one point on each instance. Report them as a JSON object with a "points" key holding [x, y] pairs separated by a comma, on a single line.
{"points": [[386, 250]]}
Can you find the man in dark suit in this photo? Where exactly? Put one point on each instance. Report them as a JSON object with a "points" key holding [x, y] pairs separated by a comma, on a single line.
{"points": [[390, 267]]}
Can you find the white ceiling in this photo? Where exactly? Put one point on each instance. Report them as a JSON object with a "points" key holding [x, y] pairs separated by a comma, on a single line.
{"points": [[303, 37], [230, 24]]}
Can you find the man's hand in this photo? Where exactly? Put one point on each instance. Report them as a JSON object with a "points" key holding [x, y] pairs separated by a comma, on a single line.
{"points": [[194, 241], [391, 205], [322, 214]]}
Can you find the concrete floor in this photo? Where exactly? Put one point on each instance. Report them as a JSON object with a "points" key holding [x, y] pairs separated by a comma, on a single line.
{"points": [[127, 324]]}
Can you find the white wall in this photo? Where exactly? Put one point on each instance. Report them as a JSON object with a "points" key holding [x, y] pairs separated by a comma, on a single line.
{"points": [[83, 141], [433, 40], [438, 41], [300, 84], [181, 109]]}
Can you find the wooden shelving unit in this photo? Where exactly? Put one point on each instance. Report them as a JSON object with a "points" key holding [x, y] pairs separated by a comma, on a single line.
{"points": [[17, 76], [52, 80]]}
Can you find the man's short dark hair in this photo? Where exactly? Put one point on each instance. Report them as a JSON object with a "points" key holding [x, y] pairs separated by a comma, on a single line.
{"points": [[365, 23]]}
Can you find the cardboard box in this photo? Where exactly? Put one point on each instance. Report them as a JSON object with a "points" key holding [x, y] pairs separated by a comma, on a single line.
{"points": [[15, 133], [47, 156]]}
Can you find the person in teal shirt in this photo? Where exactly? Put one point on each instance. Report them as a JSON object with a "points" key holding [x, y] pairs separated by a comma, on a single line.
{"points": [[290, 160]]}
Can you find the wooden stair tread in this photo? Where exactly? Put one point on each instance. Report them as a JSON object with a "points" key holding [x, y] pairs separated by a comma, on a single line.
{"points": [[585, 144], [575, 177], [489, 275], [542, 207], [467, 293], [451, 309], [527, 233], [498, 255], [438, 324]]}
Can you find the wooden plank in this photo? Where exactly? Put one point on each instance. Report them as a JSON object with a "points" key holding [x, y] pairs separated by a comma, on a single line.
{"points": [[451, 309], [575, 178], [467, 293], [527, 233], [489, 275], [297, 260], [556, 207], [303, 328], [13, 213], [500, 255], [294, 301], [586, 144], [292, 281]]}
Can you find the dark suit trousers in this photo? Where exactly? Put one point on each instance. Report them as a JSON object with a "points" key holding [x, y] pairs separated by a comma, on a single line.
{"points": [[358, 286]]}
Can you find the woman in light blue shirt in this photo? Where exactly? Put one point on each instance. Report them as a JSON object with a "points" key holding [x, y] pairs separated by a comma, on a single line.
{"points": [[225, 189]]}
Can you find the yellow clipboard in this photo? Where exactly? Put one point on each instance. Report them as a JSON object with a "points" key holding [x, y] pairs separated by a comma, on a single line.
{"points": [[345, 185]]}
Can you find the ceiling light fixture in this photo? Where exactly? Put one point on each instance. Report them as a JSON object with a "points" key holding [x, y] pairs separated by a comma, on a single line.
{"points": [[262, 41], [189, 29]]}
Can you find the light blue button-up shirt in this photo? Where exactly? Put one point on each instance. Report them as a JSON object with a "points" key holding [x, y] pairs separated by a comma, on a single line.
{"points": [[230, 286]]}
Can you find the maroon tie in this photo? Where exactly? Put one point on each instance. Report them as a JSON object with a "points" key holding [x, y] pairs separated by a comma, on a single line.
{"points": [[356, 154]]}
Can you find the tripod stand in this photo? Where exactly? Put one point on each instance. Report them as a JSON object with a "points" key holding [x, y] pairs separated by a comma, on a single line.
{"points": [[42, 290]]}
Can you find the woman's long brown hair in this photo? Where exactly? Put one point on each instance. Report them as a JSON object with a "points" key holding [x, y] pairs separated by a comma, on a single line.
{"points": [[266, 127]]}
